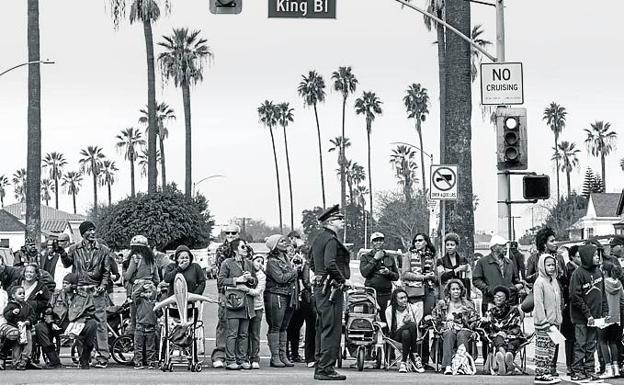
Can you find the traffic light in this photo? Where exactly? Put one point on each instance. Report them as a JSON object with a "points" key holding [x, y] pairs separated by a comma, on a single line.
{"points": [[231, 7], [511, 132], [536, 187]]}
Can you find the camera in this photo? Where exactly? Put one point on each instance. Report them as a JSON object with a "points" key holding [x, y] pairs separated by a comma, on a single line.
{"points": [[297, 260]]}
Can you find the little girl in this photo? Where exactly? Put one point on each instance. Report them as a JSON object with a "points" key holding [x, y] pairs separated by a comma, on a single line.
{"points": [[256, 322], [19, 314], [610, 335]]}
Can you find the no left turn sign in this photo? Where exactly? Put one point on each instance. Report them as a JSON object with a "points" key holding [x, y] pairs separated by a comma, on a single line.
{"points": [[443, 182]]}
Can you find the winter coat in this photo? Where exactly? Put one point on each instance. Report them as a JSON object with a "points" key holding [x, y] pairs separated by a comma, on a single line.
{"points": [[487, 276], [417, 264], [615, 298], [66, 307], [258, 292], [370, 267], [505, 321], [38, 298], [280, 274], [445, 262], [587, 294], [26, 313], [92, 264], [145, 314], [465, 319], [229, 271], [546, 297]]}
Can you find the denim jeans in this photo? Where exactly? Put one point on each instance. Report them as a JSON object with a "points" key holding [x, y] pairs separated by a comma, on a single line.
{"points": [[236, 343], [218, 354], [584, 347], [278, 312], [145, 338], [254, 336], [451, 339], [101, 302]]}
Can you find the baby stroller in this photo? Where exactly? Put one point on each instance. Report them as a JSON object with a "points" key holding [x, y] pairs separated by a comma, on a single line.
{"points": [[182, 344], [361, 328]]}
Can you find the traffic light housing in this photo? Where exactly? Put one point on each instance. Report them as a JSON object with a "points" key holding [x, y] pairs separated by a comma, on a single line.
{"points": [[511, 133], [536, 187], [231, 7]]}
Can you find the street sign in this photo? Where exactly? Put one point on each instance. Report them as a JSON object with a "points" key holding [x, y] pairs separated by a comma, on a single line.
{"points": [[501, 84], [307, 9], [443, 182]]}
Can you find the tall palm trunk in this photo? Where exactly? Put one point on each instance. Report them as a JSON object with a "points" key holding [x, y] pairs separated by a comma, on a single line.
{"points": [[186, 99], [422, 156], [277, 178], [93, 171], [33, 159], [351, 199], [604, 174], [568, 180], [47, 201], [151, 108], [292, 212], [442, 82], [557, 166], [56, 193], [342, 157], [132, 190], [318, 130], [370, 177], [110, 201], [162, 161], [458, 105], [74, 200]]}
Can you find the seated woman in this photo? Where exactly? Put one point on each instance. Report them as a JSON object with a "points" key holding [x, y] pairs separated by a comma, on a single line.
{"points": [[502, 323], [401, 316], [455, 318], [37, 293]]}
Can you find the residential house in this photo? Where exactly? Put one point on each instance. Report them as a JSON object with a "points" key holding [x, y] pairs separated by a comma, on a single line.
{"points": [[619, 226], [599, 219]]}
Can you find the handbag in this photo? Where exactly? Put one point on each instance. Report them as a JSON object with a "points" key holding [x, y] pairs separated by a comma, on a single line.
{"points": [[234, 299], [180, 336]]}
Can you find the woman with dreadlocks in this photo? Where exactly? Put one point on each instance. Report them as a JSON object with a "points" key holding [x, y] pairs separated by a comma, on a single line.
{"points": [[401, 315]]}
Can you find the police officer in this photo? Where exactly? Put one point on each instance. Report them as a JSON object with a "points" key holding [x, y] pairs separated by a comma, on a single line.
{"points": [[330, 263]]}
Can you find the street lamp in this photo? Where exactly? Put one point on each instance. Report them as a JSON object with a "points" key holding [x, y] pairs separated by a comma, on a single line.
{"points": [[206, 178], [417, 148], [27, 63]]}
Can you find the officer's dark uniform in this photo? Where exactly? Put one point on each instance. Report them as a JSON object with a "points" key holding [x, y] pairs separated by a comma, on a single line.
{"points": [[329, 260]]}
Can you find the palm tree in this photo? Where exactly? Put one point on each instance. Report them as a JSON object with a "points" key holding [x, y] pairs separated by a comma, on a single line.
{"points": [[72, 181], [54, 162], [163, 113], [4, 182], [128, 141], [284, 117], [417, 104], [622, 164], [336, 144], [33, 157], [402, 160], [555, 117], [91, 163], [146, 12], [369, 105], [568, 155], [475, 54], [107, 176], [142, 160], [600, 142], [268, 113], [46, 186], [345, 83], [312, 90], [182, 61], [20, 184]]}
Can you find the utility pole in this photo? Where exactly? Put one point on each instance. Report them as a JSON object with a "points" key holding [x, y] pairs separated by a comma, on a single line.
{"points": [[503, 180]]}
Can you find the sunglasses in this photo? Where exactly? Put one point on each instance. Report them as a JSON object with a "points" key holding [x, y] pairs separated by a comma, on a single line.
{"points": [[231, 232], [419, 240]]}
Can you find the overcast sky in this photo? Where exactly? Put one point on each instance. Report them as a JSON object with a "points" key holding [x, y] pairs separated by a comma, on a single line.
{"points": [[571, 51]]}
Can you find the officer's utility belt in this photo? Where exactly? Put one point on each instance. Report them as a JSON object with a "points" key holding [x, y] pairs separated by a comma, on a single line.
{"points": [[87, 287]]}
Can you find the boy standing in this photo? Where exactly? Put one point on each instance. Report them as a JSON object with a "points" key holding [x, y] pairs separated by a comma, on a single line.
{"points": [[144, 297]]}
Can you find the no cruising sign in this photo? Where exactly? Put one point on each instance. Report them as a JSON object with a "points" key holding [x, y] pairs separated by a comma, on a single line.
{"points": [[443, 182]]}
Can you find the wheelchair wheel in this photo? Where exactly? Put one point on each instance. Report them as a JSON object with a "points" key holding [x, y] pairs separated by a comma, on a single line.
{"points": [[75, 351], [379, 358], [123, 350], [360, 358], [170, 367], [198, 367]]}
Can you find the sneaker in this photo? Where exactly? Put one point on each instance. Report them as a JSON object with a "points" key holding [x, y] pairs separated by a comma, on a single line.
{"points": [[245, 365], [403, 368], [594, 378], [418, 366], [233, 366], [429, 368], [101, 364], [547, 379], [509, 362], [138, 367], [579, 377], [217, 364], [448, 371], [255, 365], [311, 364], [84, 367]]}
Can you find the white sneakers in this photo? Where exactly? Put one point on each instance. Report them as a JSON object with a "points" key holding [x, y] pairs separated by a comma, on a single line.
{"points": [[255, 365], [217, 364], [403, 368]]}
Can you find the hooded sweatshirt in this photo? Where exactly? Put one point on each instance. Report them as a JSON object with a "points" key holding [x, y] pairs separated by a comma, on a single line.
{"points": [[615, 295], [194, 274], [547, 296], [587, 292]]}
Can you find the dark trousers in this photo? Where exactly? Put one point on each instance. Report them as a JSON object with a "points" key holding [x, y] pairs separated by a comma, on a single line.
{"points": [[407, 335], [236, 343], [382, 301], [584, 348], [45, 336], [567, 329], [254, 336], [328, 330], [278, 311], [218, 354], [429, 302], [305, 313], [145, 339]]}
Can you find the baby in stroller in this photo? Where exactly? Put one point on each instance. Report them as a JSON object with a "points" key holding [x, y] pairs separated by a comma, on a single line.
{"points": [[502, 325], [362, 326]]}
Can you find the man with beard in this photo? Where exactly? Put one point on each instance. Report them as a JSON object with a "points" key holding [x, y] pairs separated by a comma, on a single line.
{"points": [[223, 252], [27, 254]]}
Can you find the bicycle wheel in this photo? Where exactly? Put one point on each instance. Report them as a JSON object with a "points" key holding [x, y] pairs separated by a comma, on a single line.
{"points": [[123, 350]]}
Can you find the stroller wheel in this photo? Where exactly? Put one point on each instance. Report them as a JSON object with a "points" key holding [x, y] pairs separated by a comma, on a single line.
{"points": [[170, 367], [379, 358], [339, 360], [123, 350], [198, 367], [360, 359]]}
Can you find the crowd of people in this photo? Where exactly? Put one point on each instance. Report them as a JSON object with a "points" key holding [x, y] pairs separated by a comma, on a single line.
{"points": [[421, 296]]}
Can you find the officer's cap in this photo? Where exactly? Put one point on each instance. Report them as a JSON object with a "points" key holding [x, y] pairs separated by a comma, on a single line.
{"points": [[331, 213]]}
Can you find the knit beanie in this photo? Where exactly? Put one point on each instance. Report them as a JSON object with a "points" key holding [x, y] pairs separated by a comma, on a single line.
{"points": [[271, 242], [86, 226]]}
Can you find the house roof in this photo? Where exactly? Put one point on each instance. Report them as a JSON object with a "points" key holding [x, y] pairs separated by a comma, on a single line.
{"points": [[9, 222], [606, 204], [54, 225], [47, 213]]}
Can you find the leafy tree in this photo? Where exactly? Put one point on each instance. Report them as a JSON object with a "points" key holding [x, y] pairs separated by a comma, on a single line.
{"points": [[355, 176], [588, 183], [402, 160], [600, 142], [183, 61], [46, 186], [475, 54], [310, 223], [55, 162], [72, 181], [257, 230], [312, 90], [567, 154], [143, 160], [564, 214], [167, 218], [555, 117], [107, 176], [128, 142], [399, 220], [4, 182], [268, 113], [598, 185], [91, 163], [417, 104], [20, 184]]}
